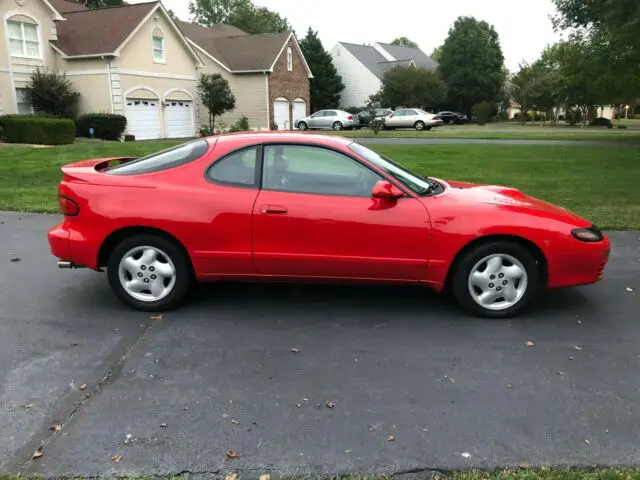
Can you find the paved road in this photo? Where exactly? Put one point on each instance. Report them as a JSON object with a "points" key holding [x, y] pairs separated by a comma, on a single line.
{"points": [[454, 391], [462, 141]]}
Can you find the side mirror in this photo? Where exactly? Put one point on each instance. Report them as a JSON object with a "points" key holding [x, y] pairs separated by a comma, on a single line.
{"points": [[385, 190]]}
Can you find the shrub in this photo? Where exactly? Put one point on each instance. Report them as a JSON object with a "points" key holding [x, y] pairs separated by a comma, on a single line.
{"points": [[601, 122], [482, 112], [573, 116], [502, 116], [353, 110], [38, 130], [52, 93], [106, 126], [241, 125], [206, 131]]}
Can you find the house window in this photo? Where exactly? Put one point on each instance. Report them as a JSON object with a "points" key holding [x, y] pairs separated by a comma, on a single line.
{"points": [[24, 107], [289, 59], [158, 49], [23, 39]]}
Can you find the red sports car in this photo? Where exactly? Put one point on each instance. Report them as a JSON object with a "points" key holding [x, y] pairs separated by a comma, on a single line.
{"points": [[294, 206]]}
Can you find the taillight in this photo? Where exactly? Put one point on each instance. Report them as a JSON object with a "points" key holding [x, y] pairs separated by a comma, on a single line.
{"points": [[350, 117], [68, 207], [437, 118]]}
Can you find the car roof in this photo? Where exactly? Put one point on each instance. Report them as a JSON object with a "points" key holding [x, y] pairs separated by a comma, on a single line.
{"points": [[249, 138]]}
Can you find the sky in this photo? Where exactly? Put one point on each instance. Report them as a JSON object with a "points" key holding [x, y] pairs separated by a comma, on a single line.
{"points": [[524, 26]]}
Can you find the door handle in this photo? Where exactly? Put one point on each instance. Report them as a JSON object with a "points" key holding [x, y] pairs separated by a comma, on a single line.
{"points": [[272, 209]]}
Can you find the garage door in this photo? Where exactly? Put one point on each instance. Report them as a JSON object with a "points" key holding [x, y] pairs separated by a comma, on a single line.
{"points": [[143, 119], [178, 118], [281, 113], [299, 109]]}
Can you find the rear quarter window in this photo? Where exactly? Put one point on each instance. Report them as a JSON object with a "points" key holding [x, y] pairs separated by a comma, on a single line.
{"points": [[163, 160]]}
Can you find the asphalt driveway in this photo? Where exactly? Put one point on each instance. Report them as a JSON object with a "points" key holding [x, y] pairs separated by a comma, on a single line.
{"points": [[413, 383]]}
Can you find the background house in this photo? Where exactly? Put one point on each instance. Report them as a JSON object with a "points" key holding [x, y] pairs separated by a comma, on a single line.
{"points": [[137, 61], [363, 66]]}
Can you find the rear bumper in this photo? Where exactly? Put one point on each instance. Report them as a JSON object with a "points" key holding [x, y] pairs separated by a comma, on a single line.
{"points": [[58, 238], [71, 245], [584, 265]]}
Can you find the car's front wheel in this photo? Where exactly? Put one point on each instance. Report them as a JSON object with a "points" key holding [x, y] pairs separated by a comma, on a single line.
{"points": [[419, 125], [496, 279], [149, 273], [303, 126]]}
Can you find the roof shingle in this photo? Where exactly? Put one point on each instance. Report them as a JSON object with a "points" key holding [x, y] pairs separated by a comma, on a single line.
{"points": [[103, 30], [67, 6], [378, 64]]}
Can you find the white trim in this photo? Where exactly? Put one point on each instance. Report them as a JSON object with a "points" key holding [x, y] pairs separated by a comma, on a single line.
{"points": [[141, 87], [163, 60], [266, 78], [208, 54], [57, 15], [91, 55], [78, 73], [289, 59], [142, 73], [295, 43], [108, 62], [57, 49], [5, 23], [182, 90]]}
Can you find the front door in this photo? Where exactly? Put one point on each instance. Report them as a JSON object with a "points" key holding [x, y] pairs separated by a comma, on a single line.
{"points": [[395, 119], [315, 120], [315, 217]]}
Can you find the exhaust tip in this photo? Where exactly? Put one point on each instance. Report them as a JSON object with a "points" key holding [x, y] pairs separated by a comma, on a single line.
{"points": [[63, 264]]}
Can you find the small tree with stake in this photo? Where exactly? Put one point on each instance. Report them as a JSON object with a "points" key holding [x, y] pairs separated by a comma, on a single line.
{"points": [[216, 95]]}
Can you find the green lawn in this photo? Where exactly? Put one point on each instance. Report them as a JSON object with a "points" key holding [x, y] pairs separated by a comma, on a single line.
{"points": [[600, 183]]}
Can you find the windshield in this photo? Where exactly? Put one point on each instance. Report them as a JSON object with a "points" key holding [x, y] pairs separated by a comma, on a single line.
{"points": [[419, 185]]}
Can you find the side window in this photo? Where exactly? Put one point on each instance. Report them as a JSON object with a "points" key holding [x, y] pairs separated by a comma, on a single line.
{"points": [[315, 170], [237, 169], [318, 114], [401, 113], [329, 113]]}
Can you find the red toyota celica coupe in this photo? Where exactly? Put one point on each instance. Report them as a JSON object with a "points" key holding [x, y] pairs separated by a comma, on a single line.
{"points": [[294, 206]]}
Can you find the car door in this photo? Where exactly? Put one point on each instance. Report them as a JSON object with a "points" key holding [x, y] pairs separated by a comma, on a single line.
{"points": [[410, 118], [328, 118], [315, 120], [395, 119], [315, 217]]}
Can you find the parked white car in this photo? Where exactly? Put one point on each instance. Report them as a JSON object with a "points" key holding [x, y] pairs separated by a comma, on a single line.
{"points": [[412, 118], [334, 119]]}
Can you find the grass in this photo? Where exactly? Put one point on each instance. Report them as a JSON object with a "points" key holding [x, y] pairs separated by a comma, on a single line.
{"points": [[597, 182]]}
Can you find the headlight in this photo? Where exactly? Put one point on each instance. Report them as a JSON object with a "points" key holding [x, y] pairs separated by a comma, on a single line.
{"points": [[591, 234]]}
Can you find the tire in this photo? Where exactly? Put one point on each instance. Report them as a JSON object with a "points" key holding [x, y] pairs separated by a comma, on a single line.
{"points": [[169, 257], [419, 125], [303, 126], [427, 128], [513, 256], [452, 122], [337, 126]]}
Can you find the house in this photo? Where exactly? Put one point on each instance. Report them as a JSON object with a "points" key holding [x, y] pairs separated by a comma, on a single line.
{"points": [[363, 66], [137, 61]]}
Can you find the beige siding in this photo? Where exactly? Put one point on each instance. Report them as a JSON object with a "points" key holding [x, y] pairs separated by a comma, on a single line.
{"points": [[136, 86], [250, 90], [6, 96], [138, 52], [94, 93]]}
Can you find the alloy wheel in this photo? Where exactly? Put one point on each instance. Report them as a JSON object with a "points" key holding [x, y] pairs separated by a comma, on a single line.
{"points": [[498, 281], [147, 273]]}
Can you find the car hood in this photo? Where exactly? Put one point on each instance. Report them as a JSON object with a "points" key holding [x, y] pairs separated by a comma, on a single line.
{"points": [[509, 199]]}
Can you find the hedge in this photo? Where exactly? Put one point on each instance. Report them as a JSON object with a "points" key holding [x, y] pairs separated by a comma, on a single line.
{"points": [[107, 126], [37, 130]]}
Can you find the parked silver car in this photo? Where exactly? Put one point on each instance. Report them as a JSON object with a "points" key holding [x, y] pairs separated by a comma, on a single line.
{"points": [[334, 119], [412, 118]]}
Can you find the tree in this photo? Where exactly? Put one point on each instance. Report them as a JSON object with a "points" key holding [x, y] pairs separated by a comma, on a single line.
{"points": [[239, 13], [52, 93], [216, 95], [325, 85], [404, 42], [412, 87], [93, 4], [436, 54], [471, 64], [536, 86]]}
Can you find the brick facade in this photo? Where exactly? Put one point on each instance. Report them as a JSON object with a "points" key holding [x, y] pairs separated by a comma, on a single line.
{"points": [[290, 85]]}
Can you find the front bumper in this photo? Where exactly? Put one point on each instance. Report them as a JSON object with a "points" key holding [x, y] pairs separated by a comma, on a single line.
{"points": [[582, 265]]}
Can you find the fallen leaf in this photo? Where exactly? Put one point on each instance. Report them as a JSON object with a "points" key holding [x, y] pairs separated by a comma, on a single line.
{"points": [[466, 454], [156, 317], [15, 259], [83, 386], [529, 344], [571, 358], [37, 454], [231, 476], [348, 451], [576, 347], [265, 476], [163, 425], [579, 322], [28, 406], [235, 422], [55, 427], [509, 385], [587, 441], [116, 458], [331, 404], [295, 350], [232, 454], [391, 438], [74, 344], [298, 405], [425, 429], [561, 373], [629, 289], [225, 415]]}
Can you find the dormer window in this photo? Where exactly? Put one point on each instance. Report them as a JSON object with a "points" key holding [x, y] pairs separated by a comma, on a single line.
{"points": [[23, 39], [289, 59], [158, 46]]}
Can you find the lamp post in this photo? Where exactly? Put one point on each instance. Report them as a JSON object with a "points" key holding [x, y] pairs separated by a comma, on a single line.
{"points": [[626, 114]]}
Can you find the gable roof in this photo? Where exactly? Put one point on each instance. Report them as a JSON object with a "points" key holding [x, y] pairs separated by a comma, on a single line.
{"points": [[418, 56], [378, 64], [100, 31], [237, 50], [68, 6]]}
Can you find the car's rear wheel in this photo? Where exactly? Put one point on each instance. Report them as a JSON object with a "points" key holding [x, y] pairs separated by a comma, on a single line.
{"points": [[337, 126], [419, 125], [496, 279], [302, 126], [452, 122], [149, 273]]}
